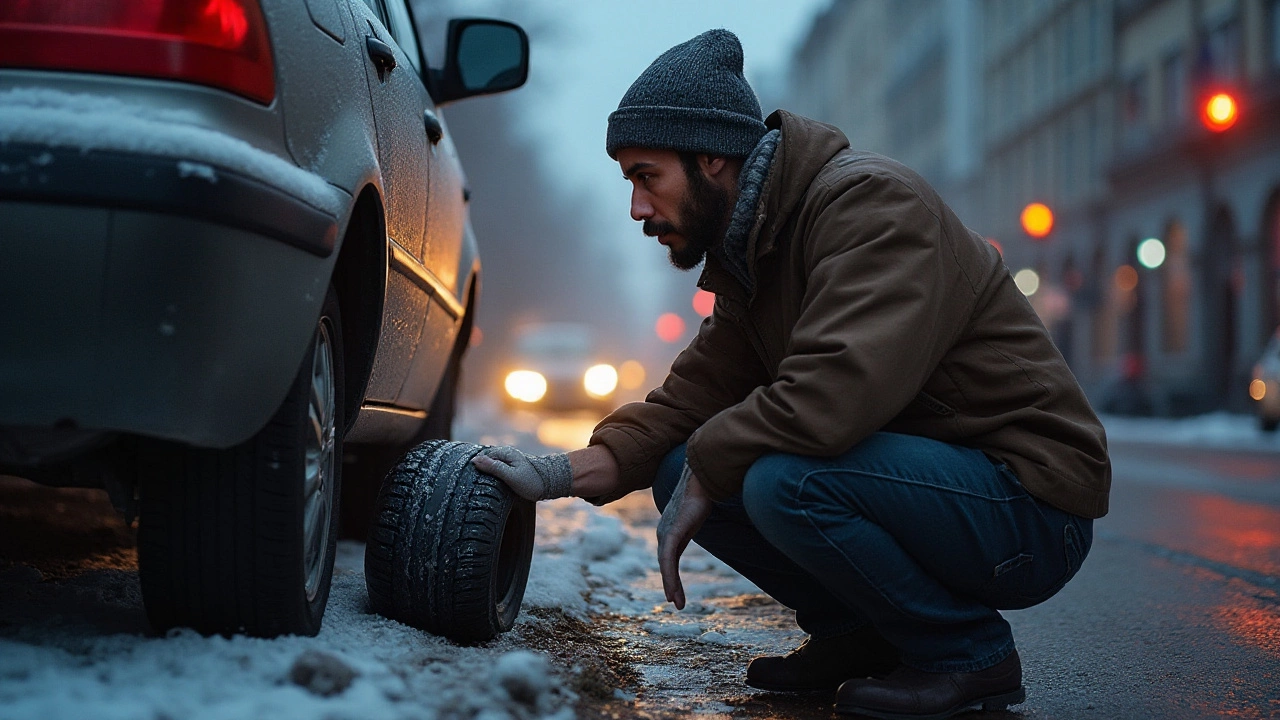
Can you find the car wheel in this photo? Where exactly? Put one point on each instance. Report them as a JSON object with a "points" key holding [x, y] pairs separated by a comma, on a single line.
{"points": [[1268, 424], [243, 539], [450, 547]]}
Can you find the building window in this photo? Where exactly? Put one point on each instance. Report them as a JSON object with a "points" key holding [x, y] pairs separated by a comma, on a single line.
{"points": [[1177, 278], [1173, 89], [1224, 51], [1068, 48], [1069, 159], [1095, 35], [1133, 113], [1043, 84], [1273, 22]]}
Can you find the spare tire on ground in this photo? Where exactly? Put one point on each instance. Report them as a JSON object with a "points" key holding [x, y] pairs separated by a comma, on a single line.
{"points": [[449, 548]]}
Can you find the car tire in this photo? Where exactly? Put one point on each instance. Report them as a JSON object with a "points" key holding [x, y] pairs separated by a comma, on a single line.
{"points": [[1268, 424], [450, 547], [242, 540]]}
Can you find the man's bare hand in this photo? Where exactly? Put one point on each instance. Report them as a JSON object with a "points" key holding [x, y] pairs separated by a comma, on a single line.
{"points": [[688, 509]]}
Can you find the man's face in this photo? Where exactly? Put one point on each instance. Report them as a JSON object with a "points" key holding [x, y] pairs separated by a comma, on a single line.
{"points": [[678, 204]]}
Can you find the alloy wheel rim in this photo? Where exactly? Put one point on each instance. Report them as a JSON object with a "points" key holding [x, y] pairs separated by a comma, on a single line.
{"points": [[318, 478]]}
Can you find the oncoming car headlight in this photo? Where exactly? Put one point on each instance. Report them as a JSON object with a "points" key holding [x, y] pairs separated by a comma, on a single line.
{"points": [[526, 385], [600, 381]]}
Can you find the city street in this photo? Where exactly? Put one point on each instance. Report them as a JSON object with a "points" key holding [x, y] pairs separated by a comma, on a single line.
{"points": [[1176, 614]]}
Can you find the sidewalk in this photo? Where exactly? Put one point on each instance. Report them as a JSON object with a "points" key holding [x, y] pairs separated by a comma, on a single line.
{"points": [[1219, 430]]}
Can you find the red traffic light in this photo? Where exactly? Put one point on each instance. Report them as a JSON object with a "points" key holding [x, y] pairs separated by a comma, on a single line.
{"points": [[1037, 220], [1220, 112]]}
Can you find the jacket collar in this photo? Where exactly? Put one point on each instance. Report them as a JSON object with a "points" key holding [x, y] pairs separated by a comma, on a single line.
{"points": [[805, 147]]}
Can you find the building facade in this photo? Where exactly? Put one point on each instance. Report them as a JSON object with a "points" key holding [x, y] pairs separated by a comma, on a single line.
{"points": [[899, 78], [1091, 107]]}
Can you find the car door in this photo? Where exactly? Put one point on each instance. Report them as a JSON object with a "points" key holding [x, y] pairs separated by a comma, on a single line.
{"points": [[442, 248], [399, 101]]}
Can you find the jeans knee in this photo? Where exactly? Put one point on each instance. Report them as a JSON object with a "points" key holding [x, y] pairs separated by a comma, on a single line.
{"points": [[668, 476], [768, 490]]}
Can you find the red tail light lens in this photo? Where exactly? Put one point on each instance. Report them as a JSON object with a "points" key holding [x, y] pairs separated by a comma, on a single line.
{"points": [[222, 43]]}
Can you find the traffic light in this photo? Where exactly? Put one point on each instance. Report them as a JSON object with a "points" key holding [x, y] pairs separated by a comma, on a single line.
{"points": [[1219, 112], [1037, 220]]}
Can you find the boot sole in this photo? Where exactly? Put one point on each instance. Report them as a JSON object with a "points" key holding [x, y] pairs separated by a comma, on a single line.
{"points": [[768, 687], [989, 703]]}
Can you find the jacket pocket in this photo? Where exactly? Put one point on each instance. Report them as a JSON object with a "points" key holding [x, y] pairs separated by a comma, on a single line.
{"points": [[934, 405]]}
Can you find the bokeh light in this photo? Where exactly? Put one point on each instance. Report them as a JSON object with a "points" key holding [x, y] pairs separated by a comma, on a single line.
{"points": [[1037, 220], [703, 302], [526, 385], [1151, 253], [600, 381], [1126, 278], [1220, 112], [669, 327], [631, 375], [1027, 280]]}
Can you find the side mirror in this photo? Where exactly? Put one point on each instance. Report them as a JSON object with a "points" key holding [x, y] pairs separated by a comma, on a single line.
{"points": [[483, 57]]}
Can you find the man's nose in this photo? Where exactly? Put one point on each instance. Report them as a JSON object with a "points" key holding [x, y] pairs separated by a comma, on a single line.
{"points": [[640, 207]]}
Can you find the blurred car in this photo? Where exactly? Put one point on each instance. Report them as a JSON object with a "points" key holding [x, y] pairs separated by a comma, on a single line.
{"points": [[1264, 388], [557, 367], [235, 235]]}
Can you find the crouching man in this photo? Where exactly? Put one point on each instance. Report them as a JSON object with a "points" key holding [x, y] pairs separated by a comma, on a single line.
{"points": [[873, 426]]}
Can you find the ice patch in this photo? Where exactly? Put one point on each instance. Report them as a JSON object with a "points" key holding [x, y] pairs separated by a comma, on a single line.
{"points": [[711, 637], [661, 629]]}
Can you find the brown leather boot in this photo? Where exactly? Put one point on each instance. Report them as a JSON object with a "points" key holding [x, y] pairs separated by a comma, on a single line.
{"points": [[824, 664], [912, 694]]}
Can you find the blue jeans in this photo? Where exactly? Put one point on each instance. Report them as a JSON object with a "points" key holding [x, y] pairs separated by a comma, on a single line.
{"points": [[923, 540]]}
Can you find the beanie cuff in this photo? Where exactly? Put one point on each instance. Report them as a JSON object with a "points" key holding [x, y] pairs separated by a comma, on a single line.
{"points": [[683, 129]]}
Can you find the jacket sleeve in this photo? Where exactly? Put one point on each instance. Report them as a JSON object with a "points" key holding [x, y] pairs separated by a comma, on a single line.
{"points": [[717, 369], [874, 321]]}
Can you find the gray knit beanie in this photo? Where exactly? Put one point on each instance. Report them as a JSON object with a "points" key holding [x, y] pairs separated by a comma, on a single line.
{"points": [[692, 98]]}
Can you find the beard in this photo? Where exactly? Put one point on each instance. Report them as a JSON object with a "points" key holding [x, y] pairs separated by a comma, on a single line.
{"points": [[704, 217]]}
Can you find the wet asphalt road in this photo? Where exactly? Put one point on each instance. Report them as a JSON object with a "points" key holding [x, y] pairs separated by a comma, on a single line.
{"points": [[1176, 613]]}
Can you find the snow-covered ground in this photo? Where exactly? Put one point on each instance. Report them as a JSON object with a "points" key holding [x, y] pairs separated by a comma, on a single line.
{"points": [[1219, 430], [79, 647]]}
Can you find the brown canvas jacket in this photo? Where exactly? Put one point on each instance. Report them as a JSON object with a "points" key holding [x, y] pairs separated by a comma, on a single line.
{"points": [[874, 309]]}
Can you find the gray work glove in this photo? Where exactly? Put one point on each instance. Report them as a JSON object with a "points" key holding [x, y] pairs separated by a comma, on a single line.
{"points": [[532, 477]]}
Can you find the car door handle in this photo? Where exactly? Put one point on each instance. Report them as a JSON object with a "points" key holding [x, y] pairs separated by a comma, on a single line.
{"points": [[435, 131], [383, 57]]}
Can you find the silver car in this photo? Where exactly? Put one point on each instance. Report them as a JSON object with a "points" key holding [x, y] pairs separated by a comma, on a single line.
{"points": [[233, 237]]}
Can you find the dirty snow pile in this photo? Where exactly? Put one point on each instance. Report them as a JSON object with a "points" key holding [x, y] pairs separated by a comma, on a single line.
{"points": [[96, 660]]}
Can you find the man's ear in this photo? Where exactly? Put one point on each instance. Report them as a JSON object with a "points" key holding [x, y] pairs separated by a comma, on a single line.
{"points": [[712, 165]]}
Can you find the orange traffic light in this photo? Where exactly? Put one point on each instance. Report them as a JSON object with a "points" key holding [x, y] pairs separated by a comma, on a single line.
{"points": [[1037, 220], [1220, 112]]}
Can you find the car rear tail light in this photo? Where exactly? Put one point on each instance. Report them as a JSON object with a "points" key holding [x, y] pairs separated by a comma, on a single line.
{"points": [[222, 43]]}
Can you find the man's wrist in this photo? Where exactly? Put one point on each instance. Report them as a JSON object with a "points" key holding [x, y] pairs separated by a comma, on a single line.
{"points": [[595, 471]]}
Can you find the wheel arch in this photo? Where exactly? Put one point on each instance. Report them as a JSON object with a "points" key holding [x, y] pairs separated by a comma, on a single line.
{"points": [[360, 279]]}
